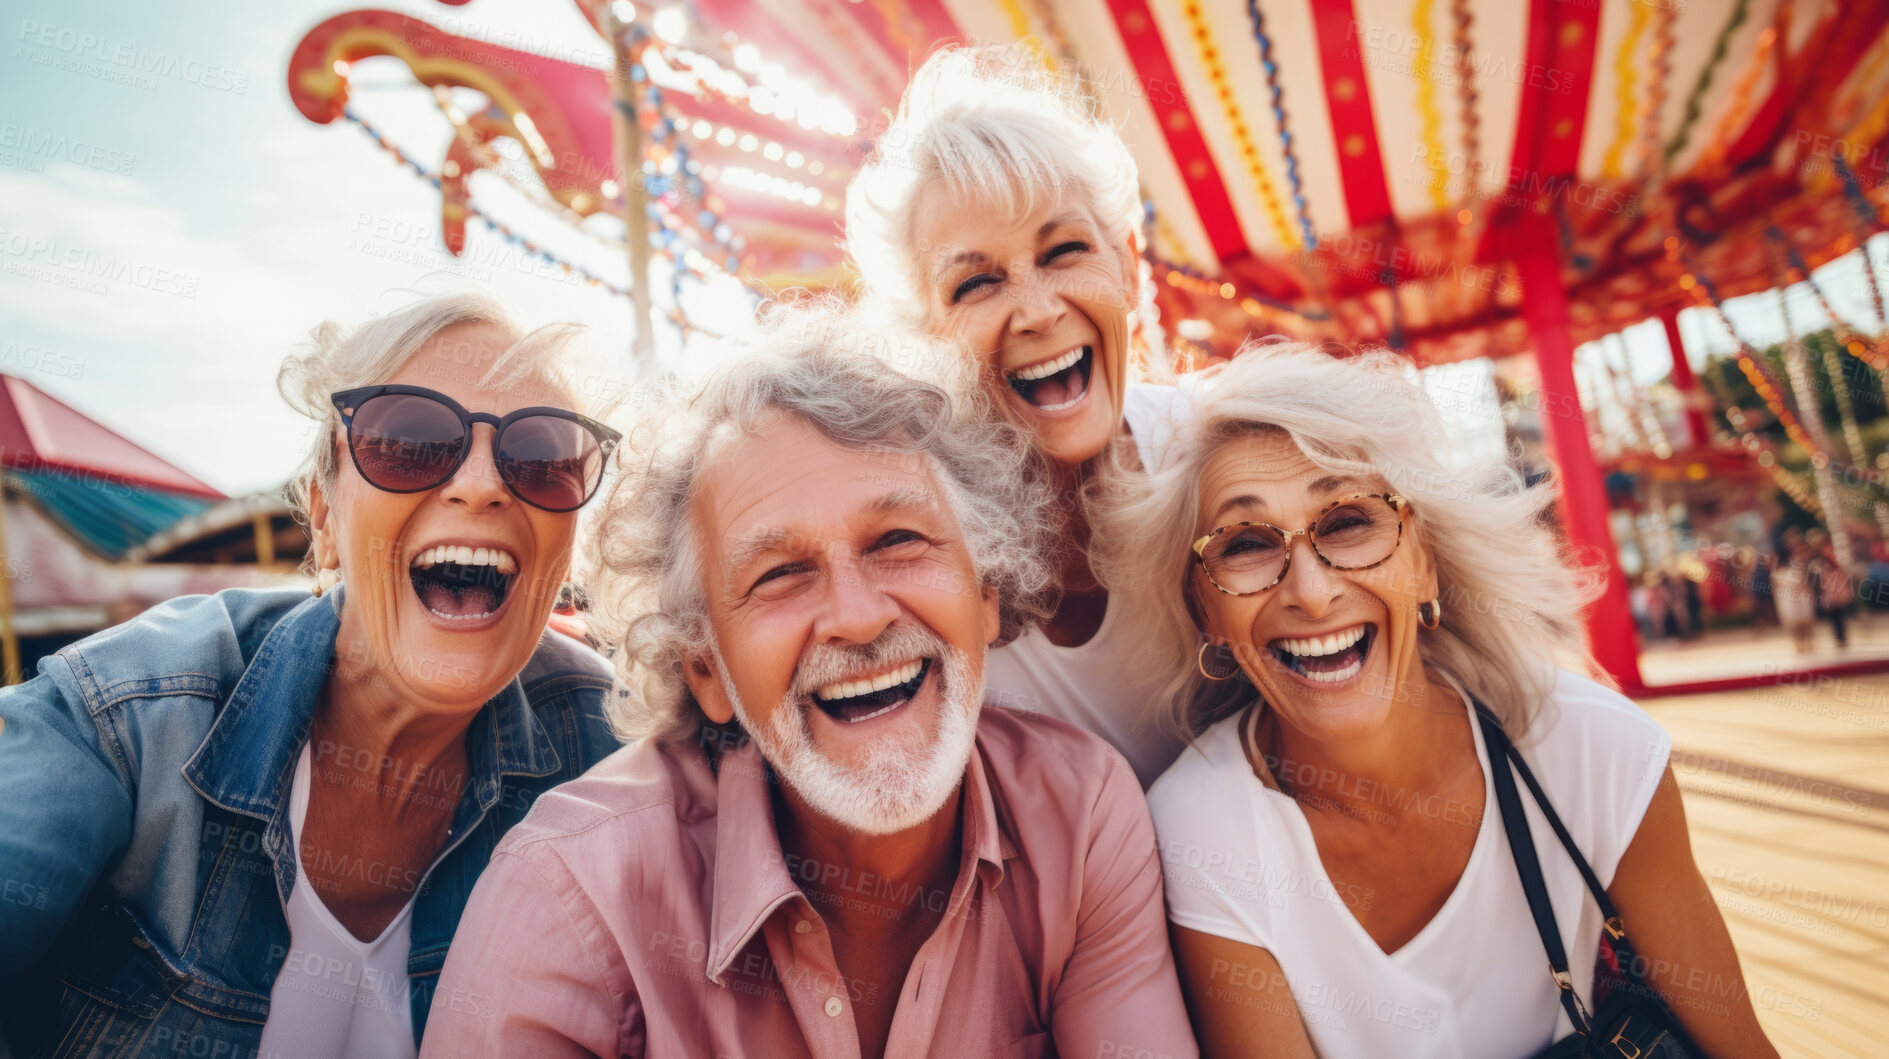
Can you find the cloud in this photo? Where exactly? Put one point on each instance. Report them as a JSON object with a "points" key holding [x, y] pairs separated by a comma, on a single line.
{"points": [[178, 333], [181, 304], [179, 288]]}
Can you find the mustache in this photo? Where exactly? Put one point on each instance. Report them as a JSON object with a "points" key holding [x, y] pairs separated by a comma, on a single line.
{"points": [[828, 663]]}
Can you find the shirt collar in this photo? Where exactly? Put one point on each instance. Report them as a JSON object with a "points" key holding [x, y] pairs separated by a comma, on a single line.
{"points": [[752, 877], [245, 761]]}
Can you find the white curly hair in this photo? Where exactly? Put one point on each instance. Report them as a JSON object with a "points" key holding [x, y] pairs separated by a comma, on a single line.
{"points": [[840, 374]]}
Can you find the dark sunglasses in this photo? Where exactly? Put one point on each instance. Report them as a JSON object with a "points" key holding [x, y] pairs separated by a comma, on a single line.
{"points": [[408, 439]]}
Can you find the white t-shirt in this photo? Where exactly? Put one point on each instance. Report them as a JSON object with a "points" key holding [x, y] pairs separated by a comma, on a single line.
{"points": [[1240, 863], [1090, 685], [336, 995]]}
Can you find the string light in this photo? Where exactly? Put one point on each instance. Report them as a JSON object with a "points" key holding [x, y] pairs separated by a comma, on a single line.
{"points": [[1864, 214], [1659, 62], [1271, 69], [1180, 278], [664, 182], [1019, 24], [672, 24], [671, 179], [1626, 81], [1695, 100], [1768, 389], [1461, 20], [754, 180], [1056, 39], [1766, 457], [1847, 338], [1249, 154], [777, 96], [1734, 114], [504, 230], [1640, 414], [529, 246], [1429, 118], [1832, 360]]}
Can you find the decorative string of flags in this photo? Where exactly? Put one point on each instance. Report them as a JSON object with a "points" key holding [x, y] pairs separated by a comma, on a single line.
{"points": [[526, 244]]}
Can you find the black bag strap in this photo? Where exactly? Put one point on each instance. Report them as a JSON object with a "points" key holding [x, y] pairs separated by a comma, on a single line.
{"points": [[1527, 864], [1554, 821], [1609, 916]]}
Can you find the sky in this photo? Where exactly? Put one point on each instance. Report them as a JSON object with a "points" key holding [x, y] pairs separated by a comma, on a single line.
{"points": [[170, 227], [167, 237]]}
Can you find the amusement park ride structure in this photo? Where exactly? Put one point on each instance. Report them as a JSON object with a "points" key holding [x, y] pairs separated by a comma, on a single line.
{"points": [[1480, 178]]}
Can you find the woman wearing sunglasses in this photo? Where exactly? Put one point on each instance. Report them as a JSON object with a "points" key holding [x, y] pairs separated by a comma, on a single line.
{"points": [[247, 823], [1331, 587]]}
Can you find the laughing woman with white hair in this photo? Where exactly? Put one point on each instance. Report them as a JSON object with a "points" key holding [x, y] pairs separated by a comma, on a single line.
{"points": [[1000, 212], [1360, 633], [248, 823]]}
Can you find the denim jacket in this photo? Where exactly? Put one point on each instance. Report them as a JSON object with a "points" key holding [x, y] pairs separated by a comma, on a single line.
{"points": [[145, 853]]}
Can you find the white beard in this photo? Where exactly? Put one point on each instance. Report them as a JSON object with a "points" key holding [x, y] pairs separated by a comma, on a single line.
{"points": [[898, 786]]}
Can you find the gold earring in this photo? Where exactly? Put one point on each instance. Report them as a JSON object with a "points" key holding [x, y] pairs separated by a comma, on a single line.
{"points": [[1200, 663], [325, 579], [1430, 614]]}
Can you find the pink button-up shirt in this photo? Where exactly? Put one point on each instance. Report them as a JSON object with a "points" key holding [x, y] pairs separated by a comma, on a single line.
{"points": [[647, 909]]}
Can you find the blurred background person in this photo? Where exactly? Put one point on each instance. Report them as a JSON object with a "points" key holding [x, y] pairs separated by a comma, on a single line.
{"points": [[1794, 590], [1831, 583]]}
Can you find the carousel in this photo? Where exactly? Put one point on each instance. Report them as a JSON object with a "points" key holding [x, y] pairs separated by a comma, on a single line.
{"points": [[1461, 181]]}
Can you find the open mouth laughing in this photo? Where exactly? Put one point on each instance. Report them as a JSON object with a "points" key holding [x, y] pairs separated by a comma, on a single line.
{"points": [[1055, 384], [460, 582], [1329, 659], [874, 694]]}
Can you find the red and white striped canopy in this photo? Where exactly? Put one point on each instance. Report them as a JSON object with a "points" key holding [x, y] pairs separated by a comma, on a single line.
{"points": [[1409, 140], [1360, 170]]}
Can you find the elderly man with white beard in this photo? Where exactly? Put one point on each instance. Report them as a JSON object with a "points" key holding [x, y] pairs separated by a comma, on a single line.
{"points": [[822, 843]]}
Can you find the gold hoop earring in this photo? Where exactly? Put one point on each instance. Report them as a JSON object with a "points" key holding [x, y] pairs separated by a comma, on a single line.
{"points": [[1200, 663], [1430, 614]]}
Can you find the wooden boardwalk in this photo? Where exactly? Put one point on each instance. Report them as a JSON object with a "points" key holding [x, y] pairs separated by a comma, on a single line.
{"points": [[1787, 794]]}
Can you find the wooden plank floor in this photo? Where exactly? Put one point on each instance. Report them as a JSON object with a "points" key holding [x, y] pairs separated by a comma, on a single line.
{"points": [[1787, 795]]}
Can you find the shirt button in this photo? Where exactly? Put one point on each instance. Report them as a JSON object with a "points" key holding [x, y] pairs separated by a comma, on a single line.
{"points": [[834, 1007], [802, 927]]}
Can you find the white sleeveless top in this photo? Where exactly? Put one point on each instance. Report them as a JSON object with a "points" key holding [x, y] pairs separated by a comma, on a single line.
{"points": [[336, 995], [1240, 863], [1090, 685]]}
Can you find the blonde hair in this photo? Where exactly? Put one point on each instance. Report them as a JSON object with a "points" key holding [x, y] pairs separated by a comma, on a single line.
{"points": [[995, 128], [337, 358], [1511, 598]]}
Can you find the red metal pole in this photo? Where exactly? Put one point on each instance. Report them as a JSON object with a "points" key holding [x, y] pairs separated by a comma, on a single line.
{"points": [[1610, 626], [1685, 381]]}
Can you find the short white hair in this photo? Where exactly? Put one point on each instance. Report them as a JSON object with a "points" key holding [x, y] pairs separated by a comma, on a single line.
{"points": [[338, 358], [1511, 595], [995, 128]]}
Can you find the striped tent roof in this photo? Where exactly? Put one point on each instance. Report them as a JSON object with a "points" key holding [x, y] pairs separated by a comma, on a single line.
{"points": [[1349, 169], [98, 485], [1354, 169]]}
